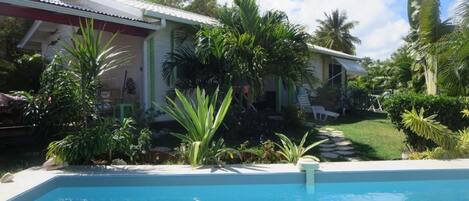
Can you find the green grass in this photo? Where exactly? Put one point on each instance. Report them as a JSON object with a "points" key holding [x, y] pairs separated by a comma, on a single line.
{"points": [[372, 135]]}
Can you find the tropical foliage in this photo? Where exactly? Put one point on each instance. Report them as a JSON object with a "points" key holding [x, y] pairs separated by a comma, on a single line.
{"points": [[334, 32], [201, 119], [89, 57], [448, 110], [451, 144], [439, 48], [246, 47], [22, 74], [292, 152], [103, 139], [57, 103]]}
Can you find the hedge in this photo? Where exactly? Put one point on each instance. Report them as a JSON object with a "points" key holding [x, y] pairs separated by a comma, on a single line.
{"points": [[447, 108]]}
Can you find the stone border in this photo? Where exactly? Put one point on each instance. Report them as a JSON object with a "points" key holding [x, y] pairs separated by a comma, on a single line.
{"points": [[29, 178]]}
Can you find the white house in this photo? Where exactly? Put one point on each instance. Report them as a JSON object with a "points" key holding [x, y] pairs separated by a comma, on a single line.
{"points": [[147, 31]]}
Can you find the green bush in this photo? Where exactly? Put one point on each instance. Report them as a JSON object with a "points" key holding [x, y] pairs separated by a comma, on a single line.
{"points": [[57, 103], [358, 97], [101, 141], [328, 96], [447, 108]]}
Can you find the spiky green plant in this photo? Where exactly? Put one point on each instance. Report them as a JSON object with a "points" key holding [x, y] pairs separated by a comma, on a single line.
{"points": [[89, 57], [452, 144], [200, 120], [293, 152]]}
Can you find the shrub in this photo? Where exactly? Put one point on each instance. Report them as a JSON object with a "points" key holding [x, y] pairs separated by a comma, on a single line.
{"points": [[451, 144], [358, 97], [328, 96], [201, 120], [293, 116], [57, 103], [263, 153], [292, 152], [447, 109], [97, 141]]}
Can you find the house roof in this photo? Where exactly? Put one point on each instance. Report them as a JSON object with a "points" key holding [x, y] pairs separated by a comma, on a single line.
{"points": [[137, 11], [169, 13], [78, 5], [327, 51]]}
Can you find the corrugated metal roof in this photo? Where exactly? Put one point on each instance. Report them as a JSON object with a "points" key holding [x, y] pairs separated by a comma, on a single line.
{"points": [[81, 6], [169, 11]]}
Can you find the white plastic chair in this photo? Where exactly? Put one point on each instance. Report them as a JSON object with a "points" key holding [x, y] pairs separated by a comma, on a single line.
{"points": [[319, 112]]}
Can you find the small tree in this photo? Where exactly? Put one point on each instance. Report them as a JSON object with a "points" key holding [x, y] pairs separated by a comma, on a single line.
{"points": [[89, 58]]}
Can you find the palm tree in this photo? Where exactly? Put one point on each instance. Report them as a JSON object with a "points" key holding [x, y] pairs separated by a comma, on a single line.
{"points": [[248, 46], [427, 30], [334, 32]]}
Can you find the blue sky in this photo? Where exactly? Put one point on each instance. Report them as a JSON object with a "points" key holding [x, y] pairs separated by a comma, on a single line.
{"points": [[382, 23]]}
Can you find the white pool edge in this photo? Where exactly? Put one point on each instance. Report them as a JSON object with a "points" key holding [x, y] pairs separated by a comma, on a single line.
{"points": [[32, 177]]}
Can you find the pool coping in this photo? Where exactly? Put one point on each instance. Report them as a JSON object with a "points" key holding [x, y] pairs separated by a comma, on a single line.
{"points": [[32, 177]]}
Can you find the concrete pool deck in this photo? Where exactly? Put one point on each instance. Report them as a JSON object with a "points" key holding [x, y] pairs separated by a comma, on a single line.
{"points": [[33, 177]]}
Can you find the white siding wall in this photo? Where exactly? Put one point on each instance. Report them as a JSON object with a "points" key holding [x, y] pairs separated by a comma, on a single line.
{"points": [[162, 48]]}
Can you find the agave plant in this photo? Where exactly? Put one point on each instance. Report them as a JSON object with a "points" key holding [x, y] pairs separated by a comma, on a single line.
{"points": [[200, 120], [293, 152]]}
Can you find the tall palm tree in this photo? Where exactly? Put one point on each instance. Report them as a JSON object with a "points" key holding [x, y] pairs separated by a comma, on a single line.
{"points": [[334, 32], [427, 30]]}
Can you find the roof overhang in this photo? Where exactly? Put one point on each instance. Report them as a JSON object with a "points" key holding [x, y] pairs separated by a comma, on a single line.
{"points": [[352, 66], [330, 52], [69, 16]]}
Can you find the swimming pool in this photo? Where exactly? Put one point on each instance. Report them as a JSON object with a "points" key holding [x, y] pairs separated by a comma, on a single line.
{"points": [[410, 185]]}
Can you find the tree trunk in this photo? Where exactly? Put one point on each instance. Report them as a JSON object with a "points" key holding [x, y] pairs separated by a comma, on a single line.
{"points": [[431, 73]]}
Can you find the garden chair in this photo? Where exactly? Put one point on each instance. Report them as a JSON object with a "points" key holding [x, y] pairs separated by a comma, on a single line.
{"points": [[319, 112]]}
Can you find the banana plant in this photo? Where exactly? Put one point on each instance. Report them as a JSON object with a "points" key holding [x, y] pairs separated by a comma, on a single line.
{"points": [[293, 152], [200, 120]]}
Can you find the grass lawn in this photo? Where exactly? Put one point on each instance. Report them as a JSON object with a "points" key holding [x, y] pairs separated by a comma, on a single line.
{"points": [[372, 135]]}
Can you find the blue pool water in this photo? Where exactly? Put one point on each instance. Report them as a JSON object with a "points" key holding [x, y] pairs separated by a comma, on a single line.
{"points": [[419, 190]]}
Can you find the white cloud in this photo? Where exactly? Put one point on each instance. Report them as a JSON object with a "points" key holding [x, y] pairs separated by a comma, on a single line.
{"points": [[381, 28]]}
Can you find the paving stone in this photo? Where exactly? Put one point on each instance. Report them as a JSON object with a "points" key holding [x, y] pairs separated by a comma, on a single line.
{"points": [[344, 148], [326, 149], [322, 137], [343, 143], [337, 132], [337, 139], [337, 135], [324, 132], [326, 145], [345, 153], [329, 155], [329, 129]]}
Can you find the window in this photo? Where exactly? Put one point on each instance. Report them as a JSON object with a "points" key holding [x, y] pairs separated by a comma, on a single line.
{"points": [[335, 75]]}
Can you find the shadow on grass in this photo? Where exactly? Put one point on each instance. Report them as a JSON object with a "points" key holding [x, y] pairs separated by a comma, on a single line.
{"points": [[365, 152], [355, 117]]}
